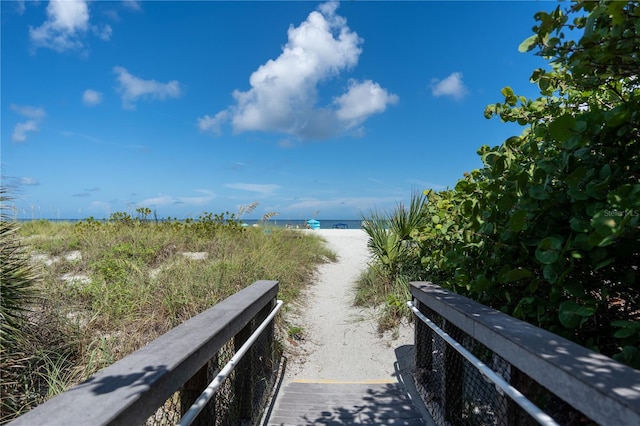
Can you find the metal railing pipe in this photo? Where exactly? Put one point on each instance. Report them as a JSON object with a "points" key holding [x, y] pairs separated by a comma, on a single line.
{"points": [[129, 391], [540, 416], [212, 388], [602, 389]]}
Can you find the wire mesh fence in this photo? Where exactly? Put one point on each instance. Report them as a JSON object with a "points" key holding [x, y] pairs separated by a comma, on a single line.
{"points": [[243, 395], [457, 393]]}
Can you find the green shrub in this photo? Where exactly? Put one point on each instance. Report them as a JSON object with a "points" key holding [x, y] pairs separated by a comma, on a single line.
{"points": [[548, 230]]}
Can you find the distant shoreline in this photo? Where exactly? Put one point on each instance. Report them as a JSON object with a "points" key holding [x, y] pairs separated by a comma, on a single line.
{"points": [[280, 223]]}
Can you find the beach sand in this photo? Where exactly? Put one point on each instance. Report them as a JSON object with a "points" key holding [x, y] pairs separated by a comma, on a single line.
{"points": [[340, 342]]}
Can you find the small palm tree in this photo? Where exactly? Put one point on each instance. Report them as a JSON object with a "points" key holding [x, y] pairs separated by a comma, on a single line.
{"points": [[17, 293], [17, 277], [390, 240]]}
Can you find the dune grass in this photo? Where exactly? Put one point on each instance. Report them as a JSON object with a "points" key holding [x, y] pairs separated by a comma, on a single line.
{"points": [[108, 288]]}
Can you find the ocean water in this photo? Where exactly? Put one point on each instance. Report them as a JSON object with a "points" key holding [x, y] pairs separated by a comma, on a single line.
{"points": [[299, 223]]}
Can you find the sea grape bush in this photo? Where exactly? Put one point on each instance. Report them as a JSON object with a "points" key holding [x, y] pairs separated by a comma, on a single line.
{"points": [[548, 229]]}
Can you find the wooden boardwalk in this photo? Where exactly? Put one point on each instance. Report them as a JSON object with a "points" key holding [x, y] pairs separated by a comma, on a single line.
{"points": [[302, 403]]}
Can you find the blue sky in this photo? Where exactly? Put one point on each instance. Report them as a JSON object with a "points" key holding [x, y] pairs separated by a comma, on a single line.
{"points": [[326, 110]]}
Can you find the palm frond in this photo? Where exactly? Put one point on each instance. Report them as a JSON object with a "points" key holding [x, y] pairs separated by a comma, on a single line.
{"points": [[17, 276], [404, 221]]}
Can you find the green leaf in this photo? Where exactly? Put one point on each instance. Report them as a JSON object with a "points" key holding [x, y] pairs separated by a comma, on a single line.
{"points": [[617, 116], [573, 180], [596, 239], [605, 171], [606, 222], [505, 202], [446, 227], [567, 314], [528, 44], [509, 96], [616, 11], [516, 274], [548, 166], [538, 192], [560, 128], [597, 190], [625, 332], [550, 274], [518, 221], [548, 250], [581, 242], [572, 315], [579, 225], [481, 283]]}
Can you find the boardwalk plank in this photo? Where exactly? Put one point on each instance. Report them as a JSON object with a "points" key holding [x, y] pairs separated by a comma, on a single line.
{"points": [[344, 404]]}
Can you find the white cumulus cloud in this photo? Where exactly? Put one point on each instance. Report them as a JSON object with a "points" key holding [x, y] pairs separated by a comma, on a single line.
{"points": [[132, 88], [66, 21], [362, 100], [212, 124], [91, 97], [450, 86], [34, 116], [66, 25], [21, 129], [284, 91]]}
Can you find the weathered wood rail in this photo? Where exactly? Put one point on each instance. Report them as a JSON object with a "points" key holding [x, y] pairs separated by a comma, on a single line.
{"points": [[568, 381], [160, 381]]}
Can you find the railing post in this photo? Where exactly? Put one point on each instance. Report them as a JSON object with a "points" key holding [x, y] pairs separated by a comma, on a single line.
{"points": [[192, 389], [452, 382], [248, 370], [423, 353], [265, 352], [243, 384], [506, 410]]}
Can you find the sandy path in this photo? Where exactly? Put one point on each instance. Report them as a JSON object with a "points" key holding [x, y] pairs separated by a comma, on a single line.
{"points": [[340, 341]]}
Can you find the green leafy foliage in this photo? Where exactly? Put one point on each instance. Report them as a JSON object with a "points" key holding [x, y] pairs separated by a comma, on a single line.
{"points": [[548, 229]]}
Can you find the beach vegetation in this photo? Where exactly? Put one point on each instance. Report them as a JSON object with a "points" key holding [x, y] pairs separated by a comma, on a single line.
{"points": [[108, 287], [548, 229], [396, 259], [19, 281]]}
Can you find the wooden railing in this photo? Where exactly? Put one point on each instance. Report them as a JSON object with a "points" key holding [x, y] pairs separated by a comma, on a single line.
{"points": [[158, 383], [570, 383]]}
